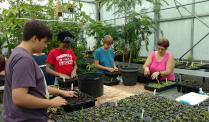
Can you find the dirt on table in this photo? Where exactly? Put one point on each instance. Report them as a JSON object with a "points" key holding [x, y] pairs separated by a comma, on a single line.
{"points": [[118, 92]]}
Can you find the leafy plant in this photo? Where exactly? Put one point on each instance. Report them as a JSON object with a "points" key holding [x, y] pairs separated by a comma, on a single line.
{"points": [[19, 11], [161, 85], [91, 67]]}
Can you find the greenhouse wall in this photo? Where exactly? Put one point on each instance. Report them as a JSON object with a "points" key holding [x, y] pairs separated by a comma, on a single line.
{"points": [[177, 26]]}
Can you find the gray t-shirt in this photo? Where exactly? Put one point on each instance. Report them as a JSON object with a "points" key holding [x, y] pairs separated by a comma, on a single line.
{"points": [[23, 72]]}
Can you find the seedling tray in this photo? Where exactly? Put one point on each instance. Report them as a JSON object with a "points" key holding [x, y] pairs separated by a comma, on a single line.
{"points": [[180, 66], [187, 88], [192, 68], [77, 103], [163, 88], [67, 83], [110, 81]]}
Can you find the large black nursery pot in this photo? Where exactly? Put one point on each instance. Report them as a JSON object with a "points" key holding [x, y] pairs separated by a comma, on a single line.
{"points": [[129, 76], [92, 84]]}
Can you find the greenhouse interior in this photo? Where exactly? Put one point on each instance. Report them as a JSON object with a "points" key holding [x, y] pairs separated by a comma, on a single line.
{"points": [[104, 61]]}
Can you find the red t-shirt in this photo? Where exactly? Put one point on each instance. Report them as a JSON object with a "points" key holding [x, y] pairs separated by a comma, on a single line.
{"points": [[62, 62]]}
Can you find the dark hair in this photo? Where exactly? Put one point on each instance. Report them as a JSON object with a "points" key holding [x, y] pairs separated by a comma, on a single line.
{"points": [[36, 28], [163, 42], [63, 34], [2, 62]]}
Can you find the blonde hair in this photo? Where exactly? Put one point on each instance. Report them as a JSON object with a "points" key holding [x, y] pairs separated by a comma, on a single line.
{"points": [[107, 40]]}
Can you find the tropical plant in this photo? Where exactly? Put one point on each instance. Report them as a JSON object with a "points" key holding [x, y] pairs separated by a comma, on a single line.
{"points": [[138, 26]]}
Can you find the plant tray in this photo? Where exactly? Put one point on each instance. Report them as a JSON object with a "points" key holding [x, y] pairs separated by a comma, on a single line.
{"points": [[192, 68], [180, 66], [159, 89], [110, 81], [205, 66], [67, 83], [187, 88], [77, 103]]}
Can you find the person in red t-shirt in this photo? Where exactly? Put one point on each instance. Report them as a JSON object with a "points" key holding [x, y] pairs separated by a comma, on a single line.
{"points": [[61, 61]]}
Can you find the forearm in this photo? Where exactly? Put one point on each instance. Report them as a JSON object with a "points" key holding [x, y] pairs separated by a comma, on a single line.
{"points": [[165, 73], [32, 102], [52, 72], [98, 66], [54, 91], [145, 67], [75, 67]]}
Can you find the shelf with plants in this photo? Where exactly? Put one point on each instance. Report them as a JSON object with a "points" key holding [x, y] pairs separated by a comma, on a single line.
{"points": [[157, 108], [187, 86], [129, 109], [195, 114]]}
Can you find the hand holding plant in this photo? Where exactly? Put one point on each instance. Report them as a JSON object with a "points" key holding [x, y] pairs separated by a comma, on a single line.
{"points": [[146, 71], [110, 69], [155, 75], [73, 74], [63, 76], [115, 69]]}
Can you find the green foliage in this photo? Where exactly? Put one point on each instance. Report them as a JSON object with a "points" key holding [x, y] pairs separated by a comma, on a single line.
{"points": [[91, 67], [161, 85], [190, 59], [137, 30], [11, 25], [138, 26], [123, 6]]}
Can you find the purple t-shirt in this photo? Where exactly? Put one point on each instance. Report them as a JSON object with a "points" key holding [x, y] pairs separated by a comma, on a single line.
{"points": [[23, 72]]}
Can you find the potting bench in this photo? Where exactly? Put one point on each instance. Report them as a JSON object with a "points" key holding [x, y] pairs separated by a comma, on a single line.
{"points": [[199, 73]]}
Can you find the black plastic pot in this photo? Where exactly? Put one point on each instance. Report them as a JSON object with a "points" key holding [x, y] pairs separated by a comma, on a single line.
{"points": [[67, 83], [129, 76], [91, 83]]}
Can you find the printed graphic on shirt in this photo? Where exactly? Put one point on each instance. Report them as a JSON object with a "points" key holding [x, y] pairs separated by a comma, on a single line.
{"points": [[64, 59]]}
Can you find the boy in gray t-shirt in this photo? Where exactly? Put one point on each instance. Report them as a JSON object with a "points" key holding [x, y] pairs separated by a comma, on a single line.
{"points": [[26, 92]]}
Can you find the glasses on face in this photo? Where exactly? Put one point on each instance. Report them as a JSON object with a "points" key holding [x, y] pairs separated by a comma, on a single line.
{"points": [[160, 48]]}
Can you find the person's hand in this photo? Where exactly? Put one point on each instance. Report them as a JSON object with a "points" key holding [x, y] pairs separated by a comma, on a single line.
{"points": [[73, 74], [155, 75], [146, 71], [110, 69], [64, 76], [115, 68], [65, 93], [57, 102]]}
